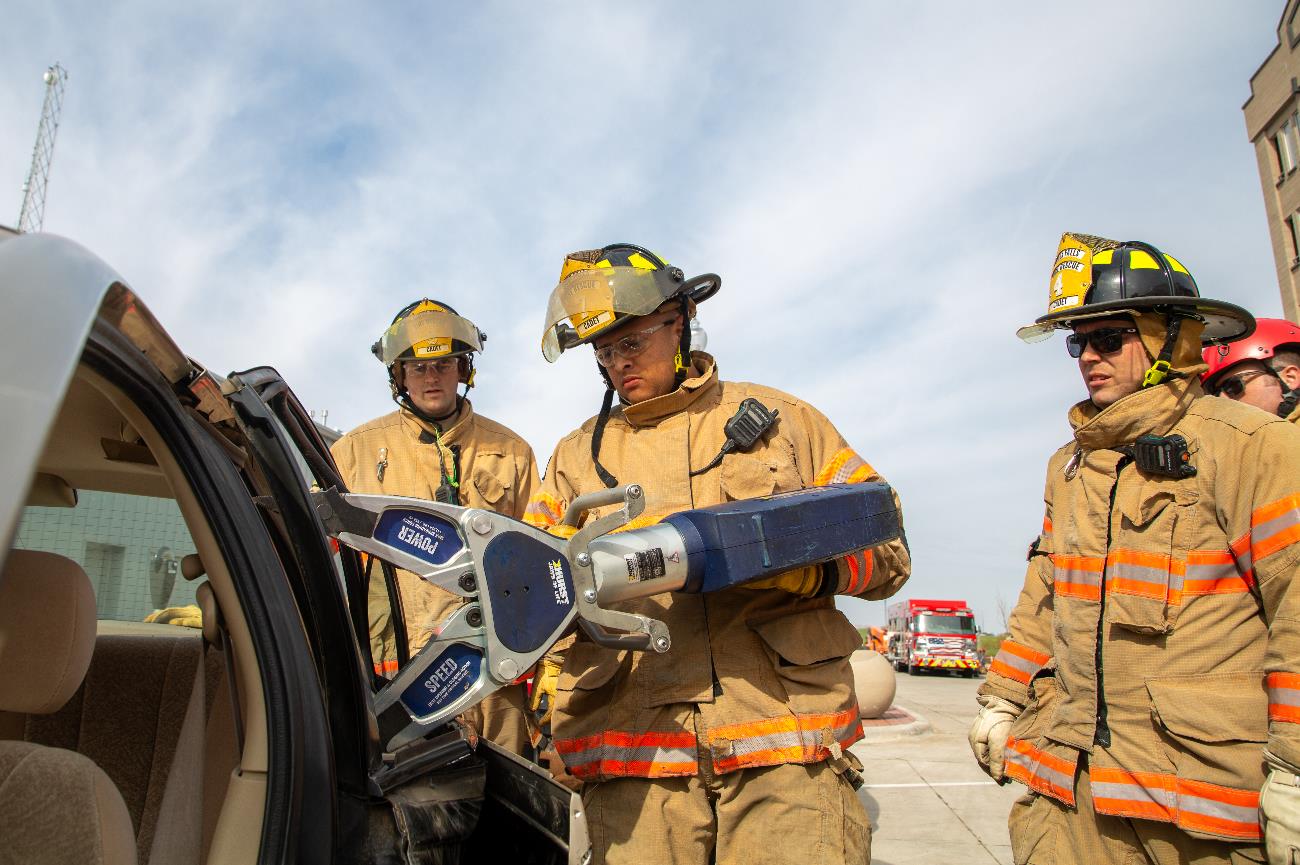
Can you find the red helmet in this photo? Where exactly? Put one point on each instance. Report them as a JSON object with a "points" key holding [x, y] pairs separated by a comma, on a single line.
{"points": [[1269, 336]]}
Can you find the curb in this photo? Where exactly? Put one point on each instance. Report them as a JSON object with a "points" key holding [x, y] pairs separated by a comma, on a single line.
{"points": [[897, 723]]}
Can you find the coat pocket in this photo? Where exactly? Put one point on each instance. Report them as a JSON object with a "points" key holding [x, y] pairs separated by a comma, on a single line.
{"points": [[1144, 573], [810, 655], [490, 488], [768, 469], [586, 689], [1213, 728]]}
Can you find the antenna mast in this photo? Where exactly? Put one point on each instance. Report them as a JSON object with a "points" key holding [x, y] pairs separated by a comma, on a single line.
{"points": [[32, 215]]}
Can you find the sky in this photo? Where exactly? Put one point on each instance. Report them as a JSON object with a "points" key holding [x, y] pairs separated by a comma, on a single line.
{"points": [[880, 185]]}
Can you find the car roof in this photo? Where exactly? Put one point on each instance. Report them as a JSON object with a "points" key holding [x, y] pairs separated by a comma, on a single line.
{"points": [[55, 289]]}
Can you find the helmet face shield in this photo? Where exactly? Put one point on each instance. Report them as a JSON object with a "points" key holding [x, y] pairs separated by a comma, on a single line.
{"points": [[590, 301], [428, 335]]}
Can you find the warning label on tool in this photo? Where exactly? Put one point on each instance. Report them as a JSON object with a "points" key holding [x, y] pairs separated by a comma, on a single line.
{"points": [[645, 566]]}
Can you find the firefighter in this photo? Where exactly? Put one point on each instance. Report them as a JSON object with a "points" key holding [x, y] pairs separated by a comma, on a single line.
{"points": [[436, 447], [1262, 370], [1151, 676], [733, 746]]}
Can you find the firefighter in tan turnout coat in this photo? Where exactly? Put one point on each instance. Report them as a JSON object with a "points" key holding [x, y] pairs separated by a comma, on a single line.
{"points": [[435, 447], [732, 746], [1152, 672]]}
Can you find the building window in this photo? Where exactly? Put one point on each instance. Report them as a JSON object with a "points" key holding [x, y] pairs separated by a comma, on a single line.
{"points": [[1285, 144], [1293, 222]]}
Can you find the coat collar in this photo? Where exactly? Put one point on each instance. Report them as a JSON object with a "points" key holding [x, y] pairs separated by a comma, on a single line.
{"points": [[703, 380], [1151, 410], [449, 430]]}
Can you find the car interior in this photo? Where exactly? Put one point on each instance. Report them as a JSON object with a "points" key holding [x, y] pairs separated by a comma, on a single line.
{"points": [[137, 741]]}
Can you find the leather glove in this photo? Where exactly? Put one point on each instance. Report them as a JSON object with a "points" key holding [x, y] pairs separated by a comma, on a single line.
{"points": [[988, 735], [546, 679], [804, 582], [1279, 813], [186, 617]]}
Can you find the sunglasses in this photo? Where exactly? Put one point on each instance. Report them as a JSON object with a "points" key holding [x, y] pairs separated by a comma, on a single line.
{"points": [[629, 346], [1234, 386], [1105, 340]]}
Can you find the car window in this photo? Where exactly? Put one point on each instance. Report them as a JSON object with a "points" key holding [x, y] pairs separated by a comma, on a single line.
{"points": [[131, 547]]}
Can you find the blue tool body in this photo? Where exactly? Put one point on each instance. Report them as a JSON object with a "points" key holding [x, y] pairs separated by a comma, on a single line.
{"points": [[737, 542]]}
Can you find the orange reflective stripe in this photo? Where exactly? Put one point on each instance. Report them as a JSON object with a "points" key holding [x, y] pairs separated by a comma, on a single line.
{"points": [[544, 511], [1283, 697], [788, 739], [1078, 576], [1194, 805], [1039, 770], [619, 754], [1018, 662], [1047, 525], [845, 467], [386, 668], [1245, 562], [1274, 527]]}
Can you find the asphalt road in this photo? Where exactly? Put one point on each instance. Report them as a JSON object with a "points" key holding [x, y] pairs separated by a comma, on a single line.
{"points": [[929, 802]]}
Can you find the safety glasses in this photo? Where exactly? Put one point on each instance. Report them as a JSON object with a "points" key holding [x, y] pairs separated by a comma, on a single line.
{"points": [[629, 346], [1104, 340], [421, 368], [1233, 387]]}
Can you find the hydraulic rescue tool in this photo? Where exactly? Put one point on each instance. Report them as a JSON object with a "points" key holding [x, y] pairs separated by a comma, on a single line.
{"points": [[524, 587]]}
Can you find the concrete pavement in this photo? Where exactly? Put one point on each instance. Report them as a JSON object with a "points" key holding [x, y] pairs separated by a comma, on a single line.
{"points": [[929, 802]]}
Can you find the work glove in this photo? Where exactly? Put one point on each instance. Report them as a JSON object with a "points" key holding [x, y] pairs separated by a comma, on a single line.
{"points": [[1279, 813], [546, 679], [186, 617], [988, 735], [804, 582]]}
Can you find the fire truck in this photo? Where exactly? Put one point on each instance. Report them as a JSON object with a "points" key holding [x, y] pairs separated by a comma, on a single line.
{"points": [[932, 635]]}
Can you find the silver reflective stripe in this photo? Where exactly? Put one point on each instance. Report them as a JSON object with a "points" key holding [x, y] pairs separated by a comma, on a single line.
{"points": [[1211, 572], [1283, 696], [1134, 793], [772, 741], [1078, 577], [1280, 523], [851, 465], [618, 753], [1025, 666], [1031, 765], [1219, 810], [1141, 573]]}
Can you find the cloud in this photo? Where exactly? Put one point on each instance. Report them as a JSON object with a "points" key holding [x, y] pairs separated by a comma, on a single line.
{"points": [[881, 187]]}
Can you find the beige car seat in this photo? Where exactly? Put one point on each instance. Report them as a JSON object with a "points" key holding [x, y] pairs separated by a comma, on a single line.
{"points": [[55, 805]]}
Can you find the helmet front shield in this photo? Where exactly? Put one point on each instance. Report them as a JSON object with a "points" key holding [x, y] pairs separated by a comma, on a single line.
{"points": [[428, 335], [589, 301]]}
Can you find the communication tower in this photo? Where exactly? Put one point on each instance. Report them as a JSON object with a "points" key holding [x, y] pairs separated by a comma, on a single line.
{"points": [[32, 215]]}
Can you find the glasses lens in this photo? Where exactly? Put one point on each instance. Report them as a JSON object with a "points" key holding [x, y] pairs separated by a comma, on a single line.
{"points": [[1232, 388], [1104, 340], [1107, 340]]}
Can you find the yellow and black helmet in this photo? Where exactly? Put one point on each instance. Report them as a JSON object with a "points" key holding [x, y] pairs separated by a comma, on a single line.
{"points": [[427, 330], [598, 288], [1093, 277]]}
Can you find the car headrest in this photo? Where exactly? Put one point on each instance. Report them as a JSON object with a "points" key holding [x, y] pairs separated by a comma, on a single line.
{"points": [[47, 631]]}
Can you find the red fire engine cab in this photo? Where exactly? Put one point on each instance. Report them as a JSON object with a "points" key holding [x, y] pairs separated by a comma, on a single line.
{"points": [[932, 635]]}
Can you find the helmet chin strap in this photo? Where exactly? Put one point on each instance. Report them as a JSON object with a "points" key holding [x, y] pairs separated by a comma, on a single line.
{"points": [[1162, 369], [681, 368]]}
